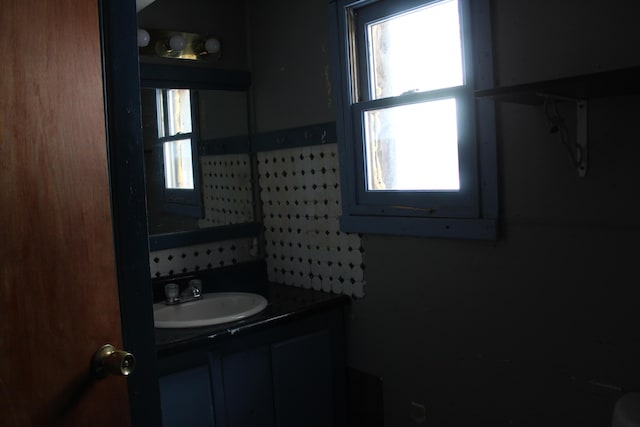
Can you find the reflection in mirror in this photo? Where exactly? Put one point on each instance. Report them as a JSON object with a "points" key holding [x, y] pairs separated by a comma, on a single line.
{"points": [[173, 110], [197, 162]]}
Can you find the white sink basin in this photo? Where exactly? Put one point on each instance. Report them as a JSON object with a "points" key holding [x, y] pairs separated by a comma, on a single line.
{"points": [[212, 309]]}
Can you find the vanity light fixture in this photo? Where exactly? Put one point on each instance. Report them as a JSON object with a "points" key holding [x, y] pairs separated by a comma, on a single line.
{"points": [[178, 45], [177, 42], [212, 45], [143, 38]]}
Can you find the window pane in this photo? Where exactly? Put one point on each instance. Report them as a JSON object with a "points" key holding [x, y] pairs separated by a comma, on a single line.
{"points": [[160, 113], [416, 51], [178, 166], [179, 110], [412, 147]]}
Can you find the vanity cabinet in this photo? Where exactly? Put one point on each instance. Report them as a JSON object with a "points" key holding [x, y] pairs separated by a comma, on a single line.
{"points": [[290, 374], [186, 394], [302, 381], [248, 392]]}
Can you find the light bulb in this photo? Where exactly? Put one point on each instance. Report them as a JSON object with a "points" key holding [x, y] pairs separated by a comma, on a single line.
{"points": [[177, 42], [212, 45], [143, 38]]}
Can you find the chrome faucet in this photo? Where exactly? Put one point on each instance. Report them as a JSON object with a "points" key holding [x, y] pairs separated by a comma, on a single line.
{"points": [[192, 292]]}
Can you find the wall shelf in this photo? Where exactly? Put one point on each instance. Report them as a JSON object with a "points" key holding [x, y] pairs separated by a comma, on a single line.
{"points": [[589, 86], [577, 90]]}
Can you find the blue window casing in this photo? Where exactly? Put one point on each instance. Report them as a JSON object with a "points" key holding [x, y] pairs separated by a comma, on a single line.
{"points": [[184, 202], [471, 212]]}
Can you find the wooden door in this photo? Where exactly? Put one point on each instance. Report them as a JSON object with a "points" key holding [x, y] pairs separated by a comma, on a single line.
{"points": [[58, 282]]}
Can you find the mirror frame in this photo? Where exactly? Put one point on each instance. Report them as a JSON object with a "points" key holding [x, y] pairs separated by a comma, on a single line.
{"points": [[199, 78]]}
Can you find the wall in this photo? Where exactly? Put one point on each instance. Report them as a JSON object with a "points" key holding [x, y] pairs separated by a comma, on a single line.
{"points": [[539, 327], [289, 49], [223, 19]]}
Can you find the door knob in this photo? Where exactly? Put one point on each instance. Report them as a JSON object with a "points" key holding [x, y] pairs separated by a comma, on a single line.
{"points": [[109, 361]]}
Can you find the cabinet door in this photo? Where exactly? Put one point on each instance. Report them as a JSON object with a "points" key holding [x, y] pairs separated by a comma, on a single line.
{"points": [[187, 398], [248, 390], [302, 383]]}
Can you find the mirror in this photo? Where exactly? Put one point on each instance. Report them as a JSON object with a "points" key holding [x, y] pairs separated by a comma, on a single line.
{"points": [[197, 155]]}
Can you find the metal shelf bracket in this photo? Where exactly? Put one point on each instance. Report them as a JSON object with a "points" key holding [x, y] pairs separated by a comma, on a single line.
{"points": [[578, 150], [582, 126]]}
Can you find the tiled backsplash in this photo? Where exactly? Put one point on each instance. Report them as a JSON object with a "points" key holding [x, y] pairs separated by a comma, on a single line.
{"points": [[300, 194], [169, 262], [226, 183]]}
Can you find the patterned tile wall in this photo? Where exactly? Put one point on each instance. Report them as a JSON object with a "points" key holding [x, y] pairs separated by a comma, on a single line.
{"points": [[300, 193], [168, 262], [226, 183]]}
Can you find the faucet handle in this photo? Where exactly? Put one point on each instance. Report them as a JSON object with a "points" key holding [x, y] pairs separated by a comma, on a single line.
{"points": [[196, 287], [171, 292]]}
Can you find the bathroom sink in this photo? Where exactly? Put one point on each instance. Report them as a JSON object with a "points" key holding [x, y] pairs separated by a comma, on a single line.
{"points": [[211, 309]]}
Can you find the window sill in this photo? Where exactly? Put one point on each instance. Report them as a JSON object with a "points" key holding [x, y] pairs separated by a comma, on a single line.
{"points": [[475, 229]]}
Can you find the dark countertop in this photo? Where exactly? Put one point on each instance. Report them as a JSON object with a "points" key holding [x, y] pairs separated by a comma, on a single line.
{"points": [[285, 303]]}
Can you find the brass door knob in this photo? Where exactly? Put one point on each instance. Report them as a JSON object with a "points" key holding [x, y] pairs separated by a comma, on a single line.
{"points": [[109, 361]]}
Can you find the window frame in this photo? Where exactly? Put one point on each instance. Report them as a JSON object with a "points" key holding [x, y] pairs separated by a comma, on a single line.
{"points": [[181, 201], [471, 212]]}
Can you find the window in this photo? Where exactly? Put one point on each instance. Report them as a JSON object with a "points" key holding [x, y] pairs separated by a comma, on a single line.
{"points": [[173, 108], [417, 149], [176, 147]]}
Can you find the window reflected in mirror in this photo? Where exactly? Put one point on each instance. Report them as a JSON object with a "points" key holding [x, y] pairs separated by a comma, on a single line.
{"points": [[197, 161], [173, 110], [178, 111], [178, 164]]}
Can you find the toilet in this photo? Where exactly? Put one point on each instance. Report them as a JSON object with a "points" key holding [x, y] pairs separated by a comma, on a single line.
{"points": [[626, 412]]}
